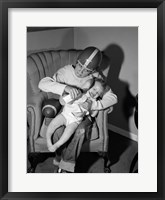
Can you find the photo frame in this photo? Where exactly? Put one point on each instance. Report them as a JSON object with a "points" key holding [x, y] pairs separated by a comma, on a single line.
{"points": [[4, 6]]}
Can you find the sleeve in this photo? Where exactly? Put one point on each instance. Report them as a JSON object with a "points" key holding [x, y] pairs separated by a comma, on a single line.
{"points": [[108, 99], [55, 85]]}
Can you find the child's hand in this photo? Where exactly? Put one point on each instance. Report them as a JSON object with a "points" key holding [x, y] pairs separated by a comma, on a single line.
{"points": [[87, 105]]}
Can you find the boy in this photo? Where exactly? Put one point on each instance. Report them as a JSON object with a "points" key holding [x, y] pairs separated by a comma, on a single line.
{"points": [[68, 80]]}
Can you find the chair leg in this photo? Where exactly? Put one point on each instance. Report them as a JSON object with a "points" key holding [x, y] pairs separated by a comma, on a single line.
{"points": [[106, 161], [34, 160], [133, 164], [37, 157]]}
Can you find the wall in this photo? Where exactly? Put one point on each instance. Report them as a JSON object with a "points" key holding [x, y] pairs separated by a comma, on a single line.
{"points": [[57, 39], [120, 45], [48, 39]]}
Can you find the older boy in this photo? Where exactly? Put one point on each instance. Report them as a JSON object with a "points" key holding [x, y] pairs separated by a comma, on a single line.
{"points": [[70, 79]]}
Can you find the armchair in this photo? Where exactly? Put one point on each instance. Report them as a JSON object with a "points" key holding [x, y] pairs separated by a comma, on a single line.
{"points": [[45, 63]]}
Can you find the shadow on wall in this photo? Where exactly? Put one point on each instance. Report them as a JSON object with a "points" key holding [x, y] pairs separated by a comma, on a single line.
{"points": [[113, 56], [123, 110]]}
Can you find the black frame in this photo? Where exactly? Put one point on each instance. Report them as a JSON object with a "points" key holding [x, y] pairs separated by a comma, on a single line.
{"points": [[4, 5]]}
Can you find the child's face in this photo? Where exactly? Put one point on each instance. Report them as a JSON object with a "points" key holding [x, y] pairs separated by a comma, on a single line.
{"points": [[81, 71], [96, 90]]}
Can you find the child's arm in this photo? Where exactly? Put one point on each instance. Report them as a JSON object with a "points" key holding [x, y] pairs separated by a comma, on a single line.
{"points": [[93, 112]]}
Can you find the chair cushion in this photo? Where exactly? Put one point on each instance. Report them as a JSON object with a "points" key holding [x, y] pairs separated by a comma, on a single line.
{"points": [[40, 145]]}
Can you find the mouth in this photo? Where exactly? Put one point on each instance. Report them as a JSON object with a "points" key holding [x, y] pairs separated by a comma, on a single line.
{"points": [[77, 74]]}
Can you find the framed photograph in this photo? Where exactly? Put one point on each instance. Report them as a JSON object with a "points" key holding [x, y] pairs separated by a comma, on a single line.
{"points": [[53, 49]]}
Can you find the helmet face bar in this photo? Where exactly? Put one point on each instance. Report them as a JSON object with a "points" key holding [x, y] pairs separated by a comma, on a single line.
{"points": [[84, 66], [88, 60]]}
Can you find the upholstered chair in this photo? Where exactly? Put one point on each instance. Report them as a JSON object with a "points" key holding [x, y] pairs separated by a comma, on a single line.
{"points": [[45, 63]]}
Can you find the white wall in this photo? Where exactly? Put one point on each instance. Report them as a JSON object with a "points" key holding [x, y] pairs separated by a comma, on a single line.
{"points": [[121, 46], [57, 39], [48, 39]]}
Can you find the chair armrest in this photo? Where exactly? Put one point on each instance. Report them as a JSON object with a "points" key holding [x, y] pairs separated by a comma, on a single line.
{"points": [[102, 123], [34, 112]]}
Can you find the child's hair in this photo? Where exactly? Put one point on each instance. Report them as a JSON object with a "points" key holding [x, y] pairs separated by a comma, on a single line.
{"points": [[93, 81], [101, 81]]}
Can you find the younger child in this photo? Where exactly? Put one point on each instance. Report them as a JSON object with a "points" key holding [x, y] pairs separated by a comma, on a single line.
{"points": [[73, 113]]}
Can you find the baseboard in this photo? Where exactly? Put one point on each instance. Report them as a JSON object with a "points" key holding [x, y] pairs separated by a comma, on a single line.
{"points": [[123, 132]]}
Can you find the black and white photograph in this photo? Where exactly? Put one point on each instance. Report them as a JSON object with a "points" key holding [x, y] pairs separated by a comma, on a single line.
{"points": [[82, 99]]}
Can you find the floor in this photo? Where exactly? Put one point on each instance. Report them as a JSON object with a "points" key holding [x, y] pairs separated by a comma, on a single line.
{"points": [[121, 152]]}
